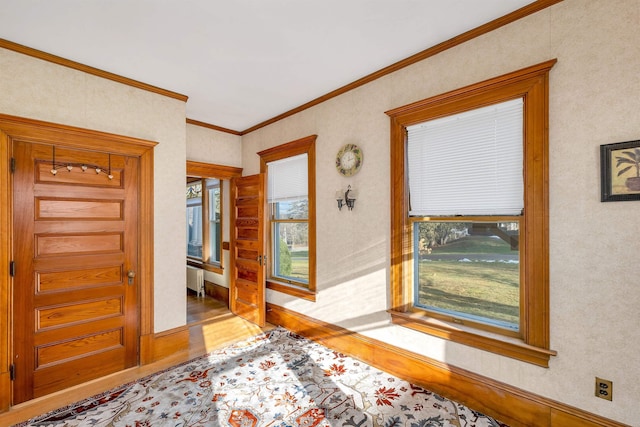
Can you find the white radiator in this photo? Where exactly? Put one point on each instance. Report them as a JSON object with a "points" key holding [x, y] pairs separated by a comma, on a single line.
{"points": [[195, 280]]}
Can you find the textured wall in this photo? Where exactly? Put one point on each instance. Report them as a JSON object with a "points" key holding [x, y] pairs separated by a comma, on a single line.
{"points": [[44, 91], [594, 286], [211, 146]]}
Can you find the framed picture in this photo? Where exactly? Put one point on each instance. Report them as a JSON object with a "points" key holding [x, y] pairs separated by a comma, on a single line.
{"points": [[620, 171]]}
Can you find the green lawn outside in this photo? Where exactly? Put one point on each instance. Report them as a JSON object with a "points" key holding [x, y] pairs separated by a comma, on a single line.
{"points": [[300, 265], [472, 286], [483, 289]]}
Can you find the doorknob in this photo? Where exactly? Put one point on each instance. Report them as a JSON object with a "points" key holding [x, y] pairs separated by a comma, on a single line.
{"points": [[131, 274]]}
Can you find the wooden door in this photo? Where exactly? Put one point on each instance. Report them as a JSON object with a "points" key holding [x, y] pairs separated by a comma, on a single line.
{"points": [[75, 234], [247, 284]]}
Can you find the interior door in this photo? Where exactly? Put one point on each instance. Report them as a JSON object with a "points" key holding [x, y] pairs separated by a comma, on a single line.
{"points": [[247, 284], [75, 234]]}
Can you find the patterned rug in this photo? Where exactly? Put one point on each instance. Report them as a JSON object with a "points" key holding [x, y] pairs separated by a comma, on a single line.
{"points": [[276, 379]]}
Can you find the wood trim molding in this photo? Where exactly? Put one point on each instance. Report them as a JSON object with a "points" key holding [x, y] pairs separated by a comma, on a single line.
{"points": [[164, 344], [504, 402], [146, 257], [6, 44], [208, 170], [420, 56], [39, 131], [523, 12], [217, 292], [291, 290], [5, 281], [213, 127]]}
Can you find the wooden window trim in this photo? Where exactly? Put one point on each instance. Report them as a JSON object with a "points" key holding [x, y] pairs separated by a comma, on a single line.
{"points": [[306, 145], [207, 170], [532, 84]]}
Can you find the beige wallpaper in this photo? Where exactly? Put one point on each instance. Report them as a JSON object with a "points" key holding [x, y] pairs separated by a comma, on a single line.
{"points": [[594, 287], [40, 90], [211, 146]]}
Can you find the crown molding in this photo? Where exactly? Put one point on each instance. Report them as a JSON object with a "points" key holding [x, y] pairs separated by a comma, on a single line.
{"points": [[9, 45], [214, 127], [420, 56]]}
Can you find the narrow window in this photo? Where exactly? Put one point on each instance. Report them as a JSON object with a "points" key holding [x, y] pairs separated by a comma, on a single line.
{"points": [[204, 222], [214, 191], [287, 194], [290, 170], [194, 220]]}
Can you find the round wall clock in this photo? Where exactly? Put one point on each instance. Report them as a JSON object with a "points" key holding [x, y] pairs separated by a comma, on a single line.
{"points": [[349, 160]]}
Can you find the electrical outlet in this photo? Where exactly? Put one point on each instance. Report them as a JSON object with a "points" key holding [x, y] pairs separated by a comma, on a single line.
{"points": [[604, 389]]}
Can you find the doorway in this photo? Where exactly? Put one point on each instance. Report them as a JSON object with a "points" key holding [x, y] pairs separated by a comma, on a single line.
{"points": [[208, 233]]}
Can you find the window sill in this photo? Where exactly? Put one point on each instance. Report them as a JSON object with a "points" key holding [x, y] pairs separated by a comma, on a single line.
{"points": [[504, 346], [292, 290], [215, 268]]}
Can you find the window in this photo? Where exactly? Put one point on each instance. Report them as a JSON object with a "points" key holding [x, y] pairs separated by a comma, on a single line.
{"points": [[470, 235], [204, 210], [214, 190], [290, 170], [194, 220]]}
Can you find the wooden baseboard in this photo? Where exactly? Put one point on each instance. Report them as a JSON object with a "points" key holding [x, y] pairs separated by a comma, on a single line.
{"points": [[5, 398], [506, 403], [154, 347], [217, 292]]}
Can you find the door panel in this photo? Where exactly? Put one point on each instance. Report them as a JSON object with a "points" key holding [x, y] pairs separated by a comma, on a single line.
{"points": [[247, 287], [75, 239]]}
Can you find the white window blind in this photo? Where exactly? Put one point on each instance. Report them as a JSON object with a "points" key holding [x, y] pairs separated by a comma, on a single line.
{"points": [[287, 179], [468, 163]]}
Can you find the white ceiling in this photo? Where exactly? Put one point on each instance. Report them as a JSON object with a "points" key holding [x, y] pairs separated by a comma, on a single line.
{"points": [[242, 62]]}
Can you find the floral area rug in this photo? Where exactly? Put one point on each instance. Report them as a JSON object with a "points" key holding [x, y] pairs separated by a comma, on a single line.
{"points": [[276, 379]]}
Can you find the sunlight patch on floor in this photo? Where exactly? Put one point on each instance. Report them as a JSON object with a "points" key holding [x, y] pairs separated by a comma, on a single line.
{"points": [[229, 330]]}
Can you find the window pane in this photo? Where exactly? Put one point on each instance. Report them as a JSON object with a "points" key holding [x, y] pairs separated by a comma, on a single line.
{"points": [[468, 270], [291, 251], [194, 219], [194, 230], [294, 209], [215, 237]]}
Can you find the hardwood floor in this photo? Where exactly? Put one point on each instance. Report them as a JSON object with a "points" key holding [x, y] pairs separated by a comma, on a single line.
{"points": [[203, 308], [211, 326]]}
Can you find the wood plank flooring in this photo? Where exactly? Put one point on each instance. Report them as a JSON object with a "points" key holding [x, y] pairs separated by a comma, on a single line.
{"points": [[211, 326]]}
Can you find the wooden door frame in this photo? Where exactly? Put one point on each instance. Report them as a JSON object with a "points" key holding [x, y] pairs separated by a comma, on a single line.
{"points": [[36, 131]]}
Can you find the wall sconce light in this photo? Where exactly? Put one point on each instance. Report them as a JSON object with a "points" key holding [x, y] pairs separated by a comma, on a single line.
{"points": [[346, 197]]}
